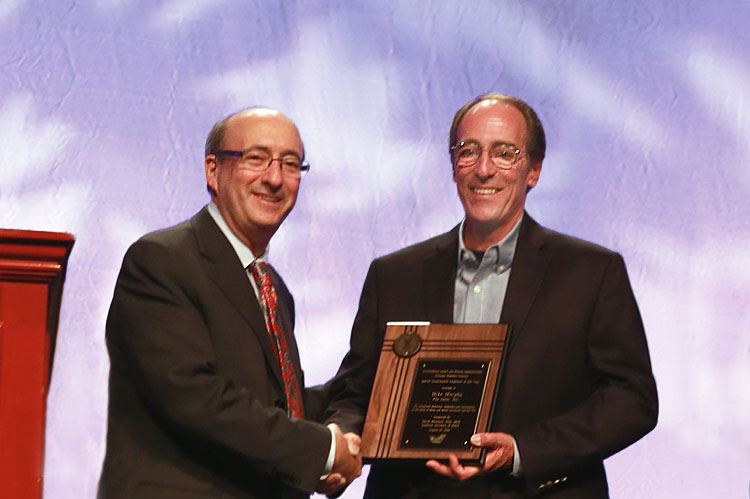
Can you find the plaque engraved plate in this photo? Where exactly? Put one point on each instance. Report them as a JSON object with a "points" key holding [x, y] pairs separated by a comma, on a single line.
{"points": [[444, 405], [435, 386]]}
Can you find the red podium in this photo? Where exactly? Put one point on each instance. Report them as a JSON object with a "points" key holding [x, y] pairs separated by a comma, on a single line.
{"points": [[32, 272]]}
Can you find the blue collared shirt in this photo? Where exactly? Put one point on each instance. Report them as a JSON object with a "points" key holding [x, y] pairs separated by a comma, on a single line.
{"points": [[480, 289], [480, 285]]}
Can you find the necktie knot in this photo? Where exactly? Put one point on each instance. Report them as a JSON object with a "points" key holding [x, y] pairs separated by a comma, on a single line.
{"points": [[261, 273]]}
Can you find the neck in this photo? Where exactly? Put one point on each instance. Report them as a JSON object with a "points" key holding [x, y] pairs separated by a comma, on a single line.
{"points": [[256, 238], [256, 244], [479, 236]]}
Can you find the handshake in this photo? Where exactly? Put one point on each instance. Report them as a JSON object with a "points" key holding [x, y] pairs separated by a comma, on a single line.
{"points": [[347, 463]]}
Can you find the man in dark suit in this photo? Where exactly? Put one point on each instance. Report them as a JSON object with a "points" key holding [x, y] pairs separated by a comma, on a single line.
{"points": [[206, 393], [577, 385]]}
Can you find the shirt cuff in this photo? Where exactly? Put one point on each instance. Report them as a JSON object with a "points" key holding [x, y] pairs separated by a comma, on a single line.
{"points": [[516, 472], [331, 457]]}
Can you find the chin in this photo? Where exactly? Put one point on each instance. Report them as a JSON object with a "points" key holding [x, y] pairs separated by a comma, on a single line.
{"points": [[484, 218], [268, 224]]}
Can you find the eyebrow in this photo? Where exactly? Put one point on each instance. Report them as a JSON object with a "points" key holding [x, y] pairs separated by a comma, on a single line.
{"points": [[287, 152], [493, 144]]}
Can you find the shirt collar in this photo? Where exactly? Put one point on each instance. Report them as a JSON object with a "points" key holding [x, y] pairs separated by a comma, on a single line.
{"points": [[243, 252], [499, 255]]}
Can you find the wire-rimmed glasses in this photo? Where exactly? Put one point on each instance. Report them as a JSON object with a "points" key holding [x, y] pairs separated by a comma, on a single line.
{"points": [[466, 154]]}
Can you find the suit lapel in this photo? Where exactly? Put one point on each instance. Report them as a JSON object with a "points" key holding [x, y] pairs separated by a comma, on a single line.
{"points": [[440, 278], [526, 276], [226, 271]]}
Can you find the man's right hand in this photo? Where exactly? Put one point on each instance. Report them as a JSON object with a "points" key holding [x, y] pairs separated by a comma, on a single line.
{"points": [[500, 454], [347, 463]]}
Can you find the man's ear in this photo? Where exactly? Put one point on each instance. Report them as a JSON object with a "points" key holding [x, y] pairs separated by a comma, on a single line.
{"points": [[211, 165], [532, 176]]}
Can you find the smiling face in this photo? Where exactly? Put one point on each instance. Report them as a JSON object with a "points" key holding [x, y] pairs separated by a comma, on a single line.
{"points": [[493, 199], [254, 203]]}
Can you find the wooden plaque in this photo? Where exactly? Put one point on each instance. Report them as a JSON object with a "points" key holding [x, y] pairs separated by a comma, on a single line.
{"points": [[435, 387]]}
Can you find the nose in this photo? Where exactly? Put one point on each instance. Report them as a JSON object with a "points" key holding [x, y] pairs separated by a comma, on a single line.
{"points": [[484, 168], [272, 173]]}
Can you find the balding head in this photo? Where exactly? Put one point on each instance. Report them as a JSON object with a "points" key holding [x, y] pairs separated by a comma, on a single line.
{"points": [[215, 139], [535, 143], [253, 198]]}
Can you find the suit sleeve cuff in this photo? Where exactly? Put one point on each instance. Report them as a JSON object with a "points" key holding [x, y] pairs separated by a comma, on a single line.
{"points": [[331, 456]]}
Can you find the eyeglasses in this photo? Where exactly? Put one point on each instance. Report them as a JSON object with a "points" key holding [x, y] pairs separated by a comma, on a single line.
{"points": [[467, 154], [258, 159]]}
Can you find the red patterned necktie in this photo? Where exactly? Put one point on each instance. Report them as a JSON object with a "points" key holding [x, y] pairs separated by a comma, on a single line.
{"points": [[262, 275]]}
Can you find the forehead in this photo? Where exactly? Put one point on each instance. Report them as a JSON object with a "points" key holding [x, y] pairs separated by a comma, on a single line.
{"points": [[266, 129], [493, 121]]}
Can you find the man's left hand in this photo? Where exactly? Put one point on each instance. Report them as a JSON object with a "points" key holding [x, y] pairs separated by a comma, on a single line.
{"points": [[499, 455]]}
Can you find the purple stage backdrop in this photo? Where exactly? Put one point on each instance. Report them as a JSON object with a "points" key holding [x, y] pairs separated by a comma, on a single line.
{"points": [[105, 105]]}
